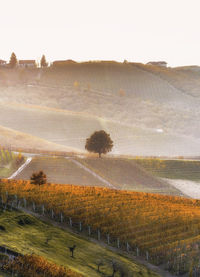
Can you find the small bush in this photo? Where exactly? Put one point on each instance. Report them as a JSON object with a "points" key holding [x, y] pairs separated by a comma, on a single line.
{"points": [[2, 228], [25, 220]]}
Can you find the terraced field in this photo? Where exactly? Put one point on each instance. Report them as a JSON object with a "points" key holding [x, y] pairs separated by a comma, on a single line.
{"points": [[60, 171], [127, 175], [120, 173], [172, 169]]}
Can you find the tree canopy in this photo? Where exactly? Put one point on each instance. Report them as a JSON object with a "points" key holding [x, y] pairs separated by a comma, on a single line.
{"points": [[39, 178], [99, 142], [43, 62], [13, 60]]}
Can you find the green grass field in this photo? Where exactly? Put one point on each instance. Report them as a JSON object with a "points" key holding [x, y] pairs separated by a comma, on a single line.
{"points": [[172, 169], [8, 163], [31, 238]]}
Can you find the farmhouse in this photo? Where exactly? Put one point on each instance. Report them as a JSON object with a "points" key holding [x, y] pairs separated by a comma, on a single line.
{"points": [[160, 63], [2, 63], [27, 63]]}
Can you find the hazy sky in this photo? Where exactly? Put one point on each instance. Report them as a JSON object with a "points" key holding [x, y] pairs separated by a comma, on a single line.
{"points": [[136, 30]]}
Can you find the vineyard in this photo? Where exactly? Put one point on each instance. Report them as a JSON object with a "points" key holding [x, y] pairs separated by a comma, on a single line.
{"points": [[173, 169], [163, 229]]}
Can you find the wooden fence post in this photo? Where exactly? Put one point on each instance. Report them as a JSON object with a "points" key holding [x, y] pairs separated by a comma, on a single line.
{"points": [[70, 222], [61, 217], [89, 230], [52, 214], [108, 238], [80, 226], [118, 244], [24, 202], [99, 234], [127, 247], [147, 255], [18, 204], [34, 206], [11, 207]]}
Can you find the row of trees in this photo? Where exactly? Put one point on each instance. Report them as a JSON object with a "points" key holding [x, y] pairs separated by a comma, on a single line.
{"points": [[13, 61]]}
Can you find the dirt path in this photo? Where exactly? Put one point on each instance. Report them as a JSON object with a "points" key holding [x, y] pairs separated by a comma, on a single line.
{"points": [[20, 168], [188, 188], [92, 173], [138, 260]]}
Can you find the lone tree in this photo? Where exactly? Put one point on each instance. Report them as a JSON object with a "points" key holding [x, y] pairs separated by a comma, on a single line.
{"points": [[99, 142], [38, 178], [43, 62], [71, 250], [13, 60]]}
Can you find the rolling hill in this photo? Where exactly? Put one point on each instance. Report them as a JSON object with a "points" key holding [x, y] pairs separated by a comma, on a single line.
{"points": [[148, 110]]}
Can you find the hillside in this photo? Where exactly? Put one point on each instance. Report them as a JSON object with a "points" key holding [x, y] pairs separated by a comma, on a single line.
{"points": [[172, 169], [119, 173], [27, 234], [148, 110], [184, 175]]}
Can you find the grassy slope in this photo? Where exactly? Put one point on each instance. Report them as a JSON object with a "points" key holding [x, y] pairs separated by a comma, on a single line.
{"points": [[172, 169], [7, 171], [122, 173], [20, 140], [8, 167], [185, 78], [59, 130], [31, 239]]}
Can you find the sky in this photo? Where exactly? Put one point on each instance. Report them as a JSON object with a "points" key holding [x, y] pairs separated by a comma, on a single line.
{"points": [[135, 30]]}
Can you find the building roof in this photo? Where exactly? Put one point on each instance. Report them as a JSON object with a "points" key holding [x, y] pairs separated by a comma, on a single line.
{"points": [[160, 62], [65, 61], [26, 61]]}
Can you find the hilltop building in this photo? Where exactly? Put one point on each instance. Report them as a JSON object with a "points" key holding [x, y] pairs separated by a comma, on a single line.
{"points": [[63, 62], [160, 63], [3, 63], [27, 63]]}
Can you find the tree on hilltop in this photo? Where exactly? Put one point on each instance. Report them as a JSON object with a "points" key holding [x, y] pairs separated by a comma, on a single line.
{"points": [[43, 62], [39, 178], [13, 60], [99, 142]]}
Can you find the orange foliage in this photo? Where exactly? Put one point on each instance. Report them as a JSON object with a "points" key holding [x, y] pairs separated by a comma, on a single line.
{"points": [[151, 222], [32, 265]]}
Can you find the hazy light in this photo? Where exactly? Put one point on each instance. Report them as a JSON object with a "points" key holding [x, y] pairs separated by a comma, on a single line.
{"points": [[135, 30], [159, 130]]}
